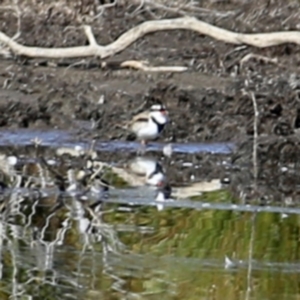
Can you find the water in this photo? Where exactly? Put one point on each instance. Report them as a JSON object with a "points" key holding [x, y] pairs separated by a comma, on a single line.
{"points": [[212, 247], [145, 254], [57, 138]]}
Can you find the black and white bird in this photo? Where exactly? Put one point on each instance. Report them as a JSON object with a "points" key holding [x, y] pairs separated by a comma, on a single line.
{"points": [[149, 124], [149, 168]]}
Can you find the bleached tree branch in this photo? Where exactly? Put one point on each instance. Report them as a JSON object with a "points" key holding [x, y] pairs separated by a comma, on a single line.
{"points": [[260, 40]]}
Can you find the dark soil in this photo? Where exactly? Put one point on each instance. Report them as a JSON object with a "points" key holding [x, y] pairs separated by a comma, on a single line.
{"points": [[210, 102]]}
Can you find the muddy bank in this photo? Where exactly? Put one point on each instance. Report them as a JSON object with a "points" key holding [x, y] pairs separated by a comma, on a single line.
{"points": [[207, 103], [200, 109]]}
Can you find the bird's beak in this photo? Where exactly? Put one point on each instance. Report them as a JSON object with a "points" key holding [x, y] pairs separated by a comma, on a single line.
{"points": [[165, 112]]}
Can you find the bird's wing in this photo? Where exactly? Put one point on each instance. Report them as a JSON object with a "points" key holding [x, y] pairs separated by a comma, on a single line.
{"points": [[138, 124], [137, 121], [142, 115]]}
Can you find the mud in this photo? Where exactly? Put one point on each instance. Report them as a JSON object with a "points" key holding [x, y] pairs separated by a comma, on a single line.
{"points": [[210, 102]]}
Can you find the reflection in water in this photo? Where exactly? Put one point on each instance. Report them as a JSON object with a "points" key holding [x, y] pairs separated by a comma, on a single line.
{"points": [[163, 194], [143, 170], [174, 254], [77, 229], [148, 168]]}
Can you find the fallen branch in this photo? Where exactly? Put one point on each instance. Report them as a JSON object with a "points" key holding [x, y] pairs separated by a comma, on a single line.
{"points": [[141, 65], [260, 40]]}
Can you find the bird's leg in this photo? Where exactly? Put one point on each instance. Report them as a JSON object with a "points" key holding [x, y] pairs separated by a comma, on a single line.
{"points": [[144, 143], [142, 148]]}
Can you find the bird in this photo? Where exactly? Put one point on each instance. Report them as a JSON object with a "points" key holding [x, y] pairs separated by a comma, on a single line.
{"points": [[149, 124], [148, 167]]}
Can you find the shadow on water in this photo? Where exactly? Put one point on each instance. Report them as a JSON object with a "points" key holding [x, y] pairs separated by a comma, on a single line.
{"points": [[65, 236]]}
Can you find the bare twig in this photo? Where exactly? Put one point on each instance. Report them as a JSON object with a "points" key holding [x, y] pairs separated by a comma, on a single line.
{"points": [[101, 8], [260, 40], [78, 63], [142, 2], [255, 136], [89, 34], [258, 57], [182, 9]]}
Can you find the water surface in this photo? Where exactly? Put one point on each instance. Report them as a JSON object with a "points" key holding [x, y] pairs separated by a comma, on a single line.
{"points": [[58, 138], [137, 251], [211, 246]]}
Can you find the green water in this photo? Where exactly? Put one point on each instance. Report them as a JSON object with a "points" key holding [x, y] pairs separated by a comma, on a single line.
{"points": [[142, 253]]}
